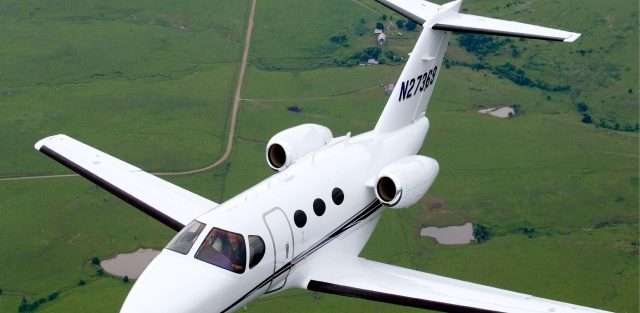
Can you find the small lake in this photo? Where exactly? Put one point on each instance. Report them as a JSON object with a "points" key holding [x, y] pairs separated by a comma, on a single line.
{"points": [[129, 264], [451, 235], [502, 112]]}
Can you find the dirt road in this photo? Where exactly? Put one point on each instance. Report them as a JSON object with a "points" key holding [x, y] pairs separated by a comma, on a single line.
{"points": [[233, 117]]}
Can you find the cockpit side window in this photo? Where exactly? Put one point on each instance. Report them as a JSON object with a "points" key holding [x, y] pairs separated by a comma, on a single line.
{"points": [[256, 250], [224, 249], [185, 239]]}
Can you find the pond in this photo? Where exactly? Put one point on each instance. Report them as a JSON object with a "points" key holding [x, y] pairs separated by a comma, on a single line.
{"points": [[450, 235], [129, 264]]}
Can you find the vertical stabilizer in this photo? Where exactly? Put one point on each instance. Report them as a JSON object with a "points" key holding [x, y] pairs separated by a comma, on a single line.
{"points": [[412, 91]]}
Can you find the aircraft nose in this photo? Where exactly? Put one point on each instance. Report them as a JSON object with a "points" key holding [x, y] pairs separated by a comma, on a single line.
{"points": [[175, 283]]}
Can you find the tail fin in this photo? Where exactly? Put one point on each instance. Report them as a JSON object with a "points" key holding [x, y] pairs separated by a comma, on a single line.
{"points": [[412, 92]]}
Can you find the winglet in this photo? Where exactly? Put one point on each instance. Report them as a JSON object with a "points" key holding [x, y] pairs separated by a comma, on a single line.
{"points": [[573, 37], [38, 145]]}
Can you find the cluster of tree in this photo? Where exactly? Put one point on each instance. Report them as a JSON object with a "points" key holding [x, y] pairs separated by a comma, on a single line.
{"points": [[612, 124], [584, 52], [528, 231], [408, 25], [515, 52], [483, 45], [360, 57], [26, 306], [362, 28], [583, 109], [340, 40], [519, 77], [510, 72], [481, 233], [517, 109], [95, 261], [392, 56], [368, 53]]}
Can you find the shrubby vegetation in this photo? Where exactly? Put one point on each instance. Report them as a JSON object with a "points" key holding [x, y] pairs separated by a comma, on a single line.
{"points": [[377, 53], [510, 72], [26, 306], [410, 25], [481, 233], [340, 39], [613, 124], [407, 25], [519, 77], [528, 231], [481, 45], [610, 123]]}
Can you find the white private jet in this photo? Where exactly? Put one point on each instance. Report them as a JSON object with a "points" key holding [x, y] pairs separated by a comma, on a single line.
{"points": [[305, 226]]}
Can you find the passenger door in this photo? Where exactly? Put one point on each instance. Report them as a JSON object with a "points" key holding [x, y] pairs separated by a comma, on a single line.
{"points": [[282, 244]]}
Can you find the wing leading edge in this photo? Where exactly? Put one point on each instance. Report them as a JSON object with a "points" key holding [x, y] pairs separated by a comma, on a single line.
{"points": [[361, 278], [166, 202]]}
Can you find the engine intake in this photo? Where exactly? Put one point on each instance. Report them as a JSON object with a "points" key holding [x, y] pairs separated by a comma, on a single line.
{"points": [[291, 144], [404, 182], [276, 156]]}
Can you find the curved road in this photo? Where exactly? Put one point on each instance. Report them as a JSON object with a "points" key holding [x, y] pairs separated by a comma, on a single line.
{"points": [[233, 117]]}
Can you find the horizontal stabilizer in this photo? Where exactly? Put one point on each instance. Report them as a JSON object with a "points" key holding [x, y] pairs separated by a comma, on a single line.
{"points": [[166, 202], [491, 26]]}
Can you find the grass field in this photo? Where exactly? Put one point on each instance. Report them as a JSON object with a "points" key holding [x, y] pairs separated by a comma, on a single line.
{"points": [[152, 81], [128, 76]]}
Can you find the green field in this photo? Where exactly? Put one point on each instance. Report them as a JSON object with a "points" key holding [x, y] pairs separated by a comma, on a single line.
{"points": [[152, 83]]}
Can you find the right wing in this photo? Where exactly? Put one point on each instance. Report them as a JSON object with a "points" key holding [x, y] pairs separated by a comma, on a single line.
{"points": [[166, 202], [361, 278]]}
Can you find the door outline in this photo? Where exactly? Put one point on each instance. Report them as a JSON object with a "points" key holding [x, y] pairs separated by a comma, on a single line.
{"points": [[270, 289]]}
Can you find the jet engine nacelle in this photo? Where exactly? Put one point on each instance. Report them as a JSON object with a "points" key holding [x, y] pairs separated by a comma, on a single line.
{"points": [[287, 146], [404, 182]]}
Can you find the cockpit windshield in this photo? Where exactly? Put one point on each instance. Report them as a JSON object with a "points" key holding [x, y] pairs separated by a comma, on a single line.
{"points": [[185, 239], [223, 249]]}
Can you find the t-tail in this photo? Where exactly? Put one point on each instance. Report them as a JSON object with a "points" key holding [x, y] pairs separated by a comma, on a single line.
{"points": [[414, 88]]}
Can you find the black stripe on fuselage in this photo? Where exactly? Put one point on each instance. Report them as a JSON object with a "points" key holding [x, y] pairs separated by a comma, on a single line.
{"points": [[462, 29], [347, 291], [125, 196], [367, 211]]}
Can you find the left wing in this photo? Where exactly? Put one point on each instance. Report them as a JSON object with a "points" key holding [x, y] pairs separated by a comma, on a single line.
{"points": [[361, 278], [162, 200]]}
